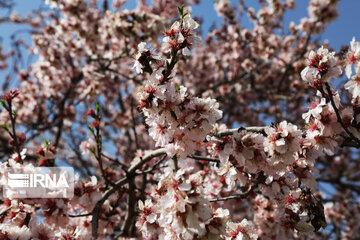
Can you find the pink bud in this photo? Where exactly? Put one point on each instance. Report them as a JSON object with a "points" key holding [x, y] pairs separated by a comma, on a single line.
{"points": [[95, 124], [91, 113], [41, 151]]}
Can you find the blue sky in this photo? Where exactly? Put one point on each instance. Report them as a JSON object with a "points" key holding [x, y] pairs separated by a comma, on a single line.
{"points": [[339, 32]]}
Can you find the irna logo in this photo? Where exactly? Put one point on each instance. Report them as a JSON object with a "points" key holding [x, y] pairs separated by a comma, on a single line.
{"points": [[40, 182]]}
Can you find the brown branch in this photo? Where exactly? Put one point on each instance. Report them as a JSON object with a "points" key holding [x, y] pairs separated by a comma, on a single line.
{"points": [[97, 208], [348, 142], [79, 215], [119, 184], [228, 132], [240, 196], [131, 173], [12, 116], [339, 119], [74, 82], [146, 158], [204, 158], [124, 167], [131, 210], [343, 185], [99, 159], [134, 123], [154, 166]]}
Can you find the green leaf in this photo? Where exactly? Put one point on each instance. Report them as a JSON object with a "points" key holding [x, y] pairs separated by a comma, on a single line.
{"points": [[112, 167], [91, 149], [5, 127], [99, 141], [91, 129], [2, 101], [47, 143], [97, 107], [181, 10]]}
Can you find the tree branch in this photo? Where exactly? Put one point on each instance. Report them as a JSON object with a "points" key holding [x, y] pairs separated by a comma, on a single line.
{"points": [[97, 208], [118, 184], [156, 153], [240, 196], [339, 119], [228, 132], [204, 158]]}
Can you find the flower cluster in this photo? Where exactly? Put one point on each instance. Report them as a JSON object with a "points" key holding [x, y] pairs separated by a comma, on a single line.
{"points": [[353, 58], [176, 120], [181, 35], [281, 143], [242, 230], [322, 67], [323, 126], [180, 210]]}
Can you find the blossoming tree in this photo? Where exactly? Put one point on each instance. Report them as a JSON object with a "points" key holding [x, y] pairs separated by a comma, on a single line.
{"points": [[241, 135]]}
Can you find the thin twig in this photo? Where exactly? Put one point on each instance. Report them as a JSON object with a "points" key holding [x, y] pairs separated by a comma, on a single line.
{"points": [[240, 196], [80, 215], [119, 184], [204, 158], [13, 134], [342, 185], [234, 130], [339, 119], [134, 123], [154, 166]]}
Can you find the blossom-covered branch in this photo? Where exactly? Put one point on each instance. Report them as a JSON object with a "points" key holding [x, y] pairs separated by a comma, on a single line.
{"points": [[187, 126]]}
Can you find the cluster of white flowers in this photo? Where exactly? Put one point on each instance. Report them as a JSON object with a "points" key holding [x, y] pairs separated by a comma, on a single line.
{"points": [[180, 210], [10, 231], [181, 35], [218, 182], [244, 154], [239, 231], [176, 121], [322, 67], [323, 126], [141, 50], [243, 147], [289, 213], [353, 58], [144, 55], [281, 143], [324, 129]]}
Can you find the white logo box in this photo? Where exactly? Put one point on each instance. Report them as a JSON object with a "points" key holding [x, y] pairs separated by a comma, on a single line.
{"points": [[39, 182]]}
